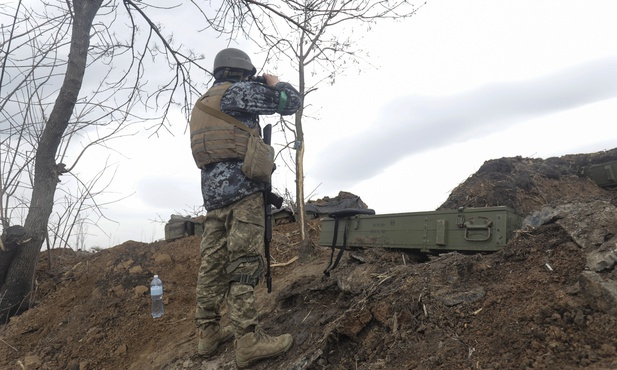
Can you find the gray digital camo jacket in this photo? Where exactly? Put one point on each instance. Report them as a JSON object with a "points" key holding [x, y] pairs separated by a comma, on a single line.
{"points": [[223, 183]]}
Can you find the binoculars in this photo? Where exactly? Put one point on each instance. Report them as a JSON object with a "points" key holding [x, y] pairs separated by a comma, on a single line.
{"points": [[259, 79]]}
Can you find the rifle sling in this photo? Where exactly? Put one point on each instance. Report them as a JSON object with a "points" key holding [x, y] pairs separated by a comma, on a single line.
{"points": [[337, 216], [334, 264]]}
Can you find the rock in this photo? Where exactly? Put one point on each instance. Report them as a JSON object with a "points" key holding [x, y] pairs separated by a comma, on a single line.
{"points": [[602, 294], [122, 266], [32, 362], [358, 280], [136, 270], [602, 260], [121, 350], [454, 298], [162, 259], [589, 224], [117, 290], [546, 215], [140, 290]]}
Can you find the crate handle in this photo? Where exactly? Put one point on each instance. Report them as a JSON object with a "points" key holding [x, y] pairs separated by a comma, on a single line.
{"points": [[478, 223]]}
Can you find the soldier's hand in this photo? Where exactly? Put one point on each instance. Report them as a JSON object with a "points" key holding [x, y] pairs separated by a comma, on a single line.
{"points": [[271, 80]]}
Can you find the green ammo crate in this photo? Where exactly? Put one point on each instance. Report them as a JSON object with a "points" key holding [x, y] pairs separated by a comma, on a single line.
{"points": [[465, 229], [604, 174]]}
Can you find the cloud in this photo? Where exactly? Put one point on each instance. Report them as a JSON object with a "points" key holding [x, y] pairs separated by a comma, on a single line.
{"points": [[169, 193], [414, 124]]}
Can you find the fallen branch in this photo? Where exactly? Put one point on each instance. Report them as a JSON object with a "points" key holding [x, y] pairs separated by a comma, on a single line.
{"points": [[285, 263], [2, 340]]}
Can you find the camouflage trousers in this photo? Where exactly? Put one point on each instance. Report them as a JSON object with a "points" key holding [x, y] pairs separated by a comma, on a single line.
{"points": [[232, 246]]}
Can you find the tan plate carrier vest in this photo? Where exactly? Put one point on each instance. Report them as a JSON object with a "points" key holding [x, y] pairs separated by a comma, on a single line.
{"points": [[216, 136]]}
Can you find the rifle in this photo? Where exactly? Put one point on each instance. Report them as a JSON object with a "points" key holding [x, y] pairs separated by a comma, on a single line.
{"points": [[269, 200]]}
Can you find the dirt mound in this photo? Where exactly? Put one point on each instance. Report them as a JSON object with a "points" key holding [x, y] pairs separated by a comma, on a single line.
{"points": [[545, 301], [528, 184]]}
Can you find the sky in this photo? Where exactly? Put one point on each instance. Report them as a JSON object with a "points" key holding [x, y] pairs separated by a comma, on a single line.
{"points": [[460, 83]]}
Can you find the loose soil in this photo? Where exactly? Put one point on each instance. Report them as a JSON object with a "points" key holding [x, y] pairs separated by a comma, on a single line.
{"points": [[531, 305]]}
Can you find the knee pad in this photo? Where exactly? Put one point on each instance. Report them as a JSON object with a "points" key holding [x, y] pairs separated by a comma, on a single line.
{"points": [[248, 279]]}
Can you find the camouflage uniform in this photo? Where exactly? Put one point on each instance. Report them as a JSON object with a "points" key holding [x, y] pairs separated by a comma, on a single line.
{"points": [[232, 244], [231, 234], [223, 183]]}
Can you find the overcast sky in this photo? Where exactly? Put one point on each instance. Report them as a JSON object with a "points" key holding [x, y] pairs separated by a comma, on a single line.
{"points": [[462, 82], [414, 124]]}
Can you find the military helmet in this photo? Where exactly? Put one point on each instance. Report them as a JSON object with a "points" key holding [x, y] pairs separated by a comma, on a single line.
{"points": [[233, 58]]}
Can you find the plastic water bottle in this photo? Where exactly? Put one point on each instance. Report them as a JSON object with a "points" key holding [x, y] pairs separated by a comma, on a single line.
{"points": [[156, 293]]}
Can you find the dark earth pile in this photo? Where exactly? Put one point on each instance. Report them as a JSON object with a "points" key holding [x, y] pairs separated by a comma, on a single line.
{"points": [[545, 301]]}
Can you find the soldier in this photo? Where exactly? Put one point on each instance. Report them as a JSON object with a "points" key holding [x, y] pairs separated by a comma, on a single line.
{"points": [[232, 245]]}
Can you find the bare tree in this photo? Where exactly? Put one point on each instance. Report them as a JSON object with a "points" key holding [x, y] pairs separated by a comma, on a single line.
{"points": [[318, 38], [52, 115], [14, 294]]}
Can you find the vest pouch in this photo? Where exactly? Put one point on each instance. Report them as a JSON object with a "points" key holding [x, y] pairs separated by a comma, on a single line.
{"points": [[258, 161]]}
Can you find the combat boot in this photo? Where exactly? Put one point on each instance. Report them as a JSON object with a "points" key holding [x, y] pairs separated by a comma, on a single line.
{"points": [[252, 347], [211, 337]]}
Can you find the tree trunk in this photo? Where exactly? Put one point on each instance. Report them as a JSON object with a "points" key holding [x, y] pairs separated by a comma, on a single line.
{"points": [[15, 294], [300, 176], [305, 250]]}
